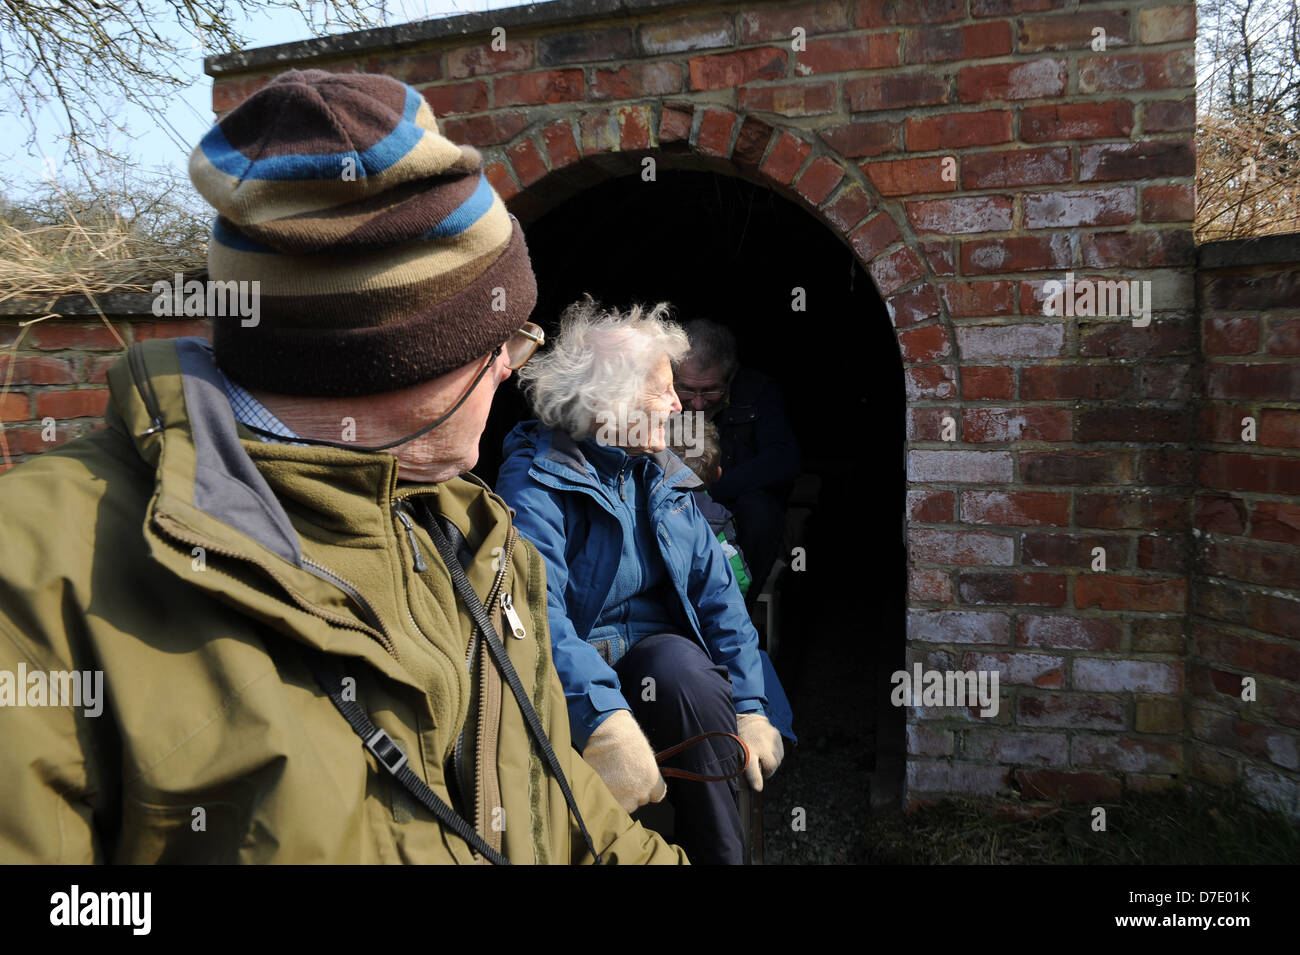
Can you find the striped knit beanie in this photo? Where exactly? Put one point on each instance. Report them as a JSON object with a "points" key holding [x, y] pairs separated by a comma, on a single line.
{"points": [[385, 257]]}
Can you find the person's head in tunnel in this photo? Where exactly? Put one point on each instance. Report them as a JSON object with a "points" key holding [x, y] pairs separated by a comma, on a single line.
{"points": [[704, 374]]}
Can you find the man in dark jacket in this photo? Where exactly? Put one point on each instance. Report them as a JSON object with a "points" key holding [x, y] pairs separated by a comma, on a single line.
{"points": [[760, 455]]}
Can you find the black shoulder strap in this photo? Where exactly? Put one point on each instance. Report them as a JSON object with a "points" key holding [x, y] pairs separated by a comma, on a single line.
{"points": [[479, 615], [394, 760]]}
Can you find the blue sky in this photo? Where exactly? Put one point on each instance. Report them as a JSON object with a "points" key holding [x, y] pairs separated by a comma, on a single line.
{"points": [[189, 113]]}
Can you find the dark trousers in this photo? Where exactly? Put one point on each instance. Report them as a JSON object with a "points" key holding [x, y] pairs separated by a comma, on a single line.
{"points": [[691, 695]]}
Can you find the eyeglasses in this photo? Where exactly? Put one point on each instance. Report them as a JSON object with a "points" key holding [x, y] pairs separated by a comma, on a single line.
{"points": [[523, 344], [707, 394]]}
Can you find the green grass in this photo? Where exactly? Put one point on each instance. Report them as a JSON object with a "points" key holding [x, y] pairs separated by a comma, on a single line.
{"points": [[1178, 827]]}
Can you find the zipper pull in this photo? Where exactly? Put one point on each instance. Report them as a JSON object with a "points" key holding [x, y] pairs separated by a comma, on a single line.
{"points": [[420, 565], [621, 495], [512, 617]]}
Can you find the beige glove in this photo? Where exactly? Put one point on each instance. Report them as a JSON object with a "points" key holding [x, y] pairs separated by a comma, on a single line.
{"points": [[765, 748], [621, 755]]}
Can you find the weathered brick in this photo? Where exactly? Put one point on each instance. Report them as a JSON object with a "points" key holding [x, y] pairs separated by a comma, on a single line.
{"points": [[534, 89], [527, 161], [904, 177], [822, 176], [716, 127], [1283, 336], [1158, 635], [927, 741], [913, 306], [584, 46], [1000, 746], [1107, 337], [930, 507], [1111, 592], [1279, 380], [1076, 467], [561, 147], [1220, 514], [979, 299], [1137, 71], [1070, 711], [855, 140], [1072, 31], [489, 129], [1041, 590], [790, 99], [1015, 254], [636, 80], [1126, 423], [1075, 381], [957, 216], [1071, 208], [940, 256], [1279, 428], [1076, 121], [896, 91], [958, 626], [957, 130], [1032, 79], [1068, 633], [1252, 563], [1168, 203], [1024, 340], [1166, 24], [1015, 424], [1035, 508], [924, 344], [887, 13], [778, 23], [1267, 474], [499, 176], [479, 58], [1070, 550], [928, 381], [929, 584], [1067, 787], [751, 143], [1169, 115], [1107, 162], [1126, 676], [1162, 552], [874, 236], [729, 70], [863, 51], [17, 407], [675, 123], [452, 98], [1016, 167], [987, 382], [942, 44], [956, 777], [1230, 335], [849, 208], [42, 370], [960, 547], [896, 269], [785, 158], [709, 31], [633, 127], [1140, 510], [56, 335], [1125, 753], [78, 403], [1019, 669]]}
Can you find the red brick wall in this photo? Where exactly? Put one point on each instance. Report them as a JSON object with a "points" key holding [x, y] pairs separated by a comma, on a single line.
{"points": [[60, 368], [1245, 593]]}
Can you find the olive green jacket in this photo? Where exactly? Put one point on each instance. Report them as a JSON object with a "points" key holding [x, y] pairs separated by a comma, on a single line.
{"points": [[192, 566]]}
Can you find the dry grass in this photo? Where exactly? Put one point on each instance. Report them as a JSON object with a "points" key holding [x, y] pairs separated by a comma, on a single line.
{"points": [[1173, 828], [1247, 176]]}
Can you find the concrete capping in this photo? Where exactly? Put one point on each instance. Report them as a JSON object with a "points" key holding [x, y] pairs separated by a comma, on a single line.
{"points": [[121, 304], [1257, 250], [398, 36]]}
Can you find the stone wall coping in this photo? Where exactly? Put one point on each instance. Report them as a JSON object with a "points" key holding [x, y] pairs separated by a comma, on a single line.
{"points": [[1257, 250], [123, 304], [402, 35]]}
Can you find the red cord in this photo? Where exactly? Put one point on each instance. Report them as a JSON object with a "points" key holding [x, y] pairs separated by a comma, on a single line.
{"points": [[696, 777]]}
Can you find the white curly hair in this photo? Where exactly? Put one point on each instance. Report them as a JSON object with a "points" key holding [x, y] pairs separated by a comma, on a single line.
{"points": [[599, 362]]}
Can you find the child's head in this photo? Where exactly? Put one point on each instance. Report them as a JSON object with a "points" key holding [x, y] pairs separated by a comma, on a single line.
{"points": [[704, 454]]}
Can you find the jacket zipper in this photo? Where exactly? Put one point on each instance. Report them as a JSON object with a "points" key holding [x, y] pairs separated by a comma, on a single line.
{"points": [[419, 564], [145, 386], [376, 629]]}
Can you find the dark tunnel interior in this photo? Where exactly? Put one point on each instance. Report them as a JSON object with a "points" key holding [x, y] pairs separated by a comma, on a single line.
{"points": [[720, 247]]}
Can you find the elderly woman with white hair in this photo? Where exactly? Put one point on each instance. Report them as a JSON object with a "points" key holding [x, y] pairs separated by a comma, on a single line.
{"points": [[649, 631]]}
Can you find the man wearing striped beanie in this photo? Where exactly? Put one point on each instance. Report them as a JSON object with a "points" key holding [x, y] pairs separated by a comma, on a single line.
{"points": [[316, 640]]}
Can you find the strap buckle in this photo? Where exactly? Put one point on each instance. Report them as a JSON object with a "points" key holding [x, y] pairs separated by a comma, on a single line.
{"points": [[386, 751]]}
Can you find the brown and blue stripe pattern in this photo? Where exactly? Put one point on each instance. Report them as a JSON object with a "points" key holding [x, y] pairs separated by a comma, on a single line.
{"points": [[369, 283]]}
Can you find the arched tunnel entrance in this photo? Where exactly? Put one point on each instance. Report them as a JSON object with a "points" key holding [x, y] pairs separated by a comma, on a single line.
{"points": [[720, 247]]}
